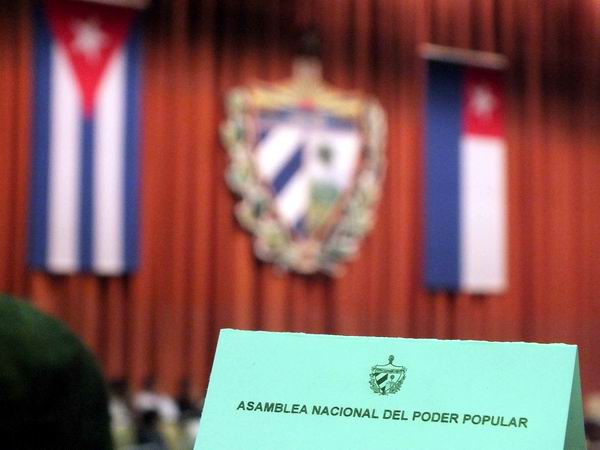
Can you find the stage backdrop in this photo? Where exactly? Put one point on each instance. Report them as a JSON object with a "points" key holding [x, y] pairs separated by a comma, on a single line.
{"points": [[198, 272]]}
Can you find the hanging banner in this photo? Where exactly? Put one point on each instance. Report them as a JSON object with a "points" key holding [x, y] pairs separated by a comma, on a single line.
{"points": [[465, 230], [86, 129]]}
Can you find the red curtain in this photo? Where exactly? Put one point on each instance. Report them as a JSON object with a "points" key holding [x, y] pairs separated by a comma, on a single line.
{"points": [[198, 271]]}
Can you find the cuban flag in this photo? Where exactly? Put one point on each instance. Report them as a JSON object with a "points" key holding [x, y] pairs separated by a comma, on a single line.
{"points": [[465, 192], [86, 125]]}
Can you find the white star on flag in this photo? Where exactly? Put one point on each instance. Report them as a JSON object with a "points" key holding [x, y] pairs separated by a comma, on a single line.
{"points": [[88, 38], [483, 101]]}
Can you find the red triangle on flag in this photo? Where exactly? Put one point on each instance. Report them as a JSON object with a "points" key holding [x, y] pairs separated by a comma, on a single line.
{"points": [[90, 33]]}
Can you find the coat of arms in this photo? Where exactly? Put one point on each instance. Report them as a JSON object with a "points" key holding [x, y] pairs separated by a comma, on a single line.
{"points": [[308, 162], [387, 378]]}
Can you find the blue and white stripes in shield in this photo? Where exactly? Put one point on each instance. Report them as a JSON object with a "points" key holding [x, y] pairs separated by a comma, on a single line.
{"points": [[289, 170]]}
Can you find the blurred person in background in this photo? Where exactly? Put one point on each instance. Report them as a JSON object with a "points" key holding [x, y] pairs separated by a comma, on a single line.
{"points": [[189, 413], [592, 420], [120, 412], [121, 416], [149, 399], [187, 408], [53, 396], [148, 433]]}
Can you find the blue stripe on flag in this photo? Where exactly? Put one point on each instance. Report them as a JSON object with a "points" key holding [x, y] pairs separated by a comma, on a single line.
{"points": [[132, 130], [38, 225], [288, 171], [86, 219], [443, 129]]}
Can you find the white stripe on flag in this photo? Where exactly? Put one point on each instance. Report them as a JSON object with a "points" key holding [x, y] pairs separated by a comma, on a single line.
{"points": [[276, 149], [109, 147], [483, 214], [64, 166]]}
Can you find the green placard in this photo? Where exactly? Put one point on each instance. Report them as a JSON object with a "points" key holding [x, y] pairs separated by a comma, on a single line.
{"points": [[275, 391]]}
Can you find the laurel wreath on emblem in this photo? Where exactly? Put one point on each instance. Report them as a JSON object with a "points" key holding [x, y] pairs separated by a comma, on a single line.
{"points": [[393, 387], [273, 240], [380, 374]]}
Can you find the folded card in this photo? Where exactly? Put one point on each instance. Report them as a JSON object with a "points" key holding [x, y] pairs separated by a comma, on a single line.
{"points": [[288, 391]]}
